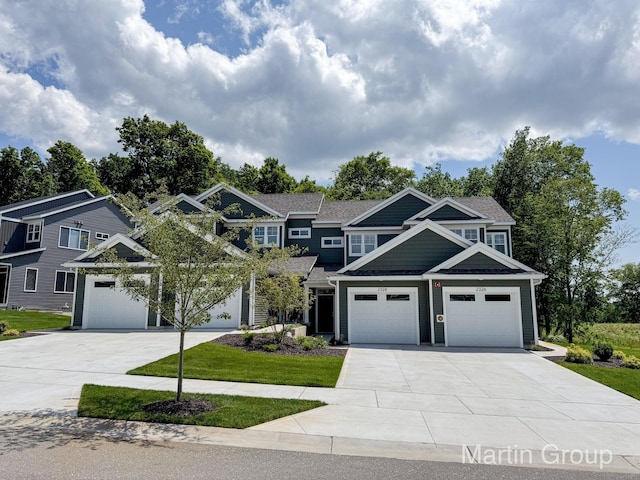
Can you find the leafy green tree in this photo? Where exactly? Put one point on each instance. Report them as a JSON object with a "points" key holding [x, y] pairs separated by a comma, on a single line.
{"points": [[274, 178], [371, 177], [626, 293], [309, 186], [439, 184], [71, 171], [158, 154], [477, 183], [23, 176], [247, 178]]}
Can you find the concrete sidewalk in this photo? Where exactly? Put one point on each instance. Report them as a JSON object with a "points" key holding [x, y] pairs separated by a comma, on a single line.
{"points": [[404, 402]]}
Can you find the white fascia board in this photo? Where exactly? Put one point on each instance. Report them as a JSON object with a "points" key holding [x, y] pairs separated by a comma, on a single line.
{"points": [[397, 228], [66, 209], [450, 202], [326, 223], [495, 224], [108, 265], [112, 241], [175, 200], [406, 235], [462, 223], [389, 201], [38, 202], [19, 254], [485, 250], [482, 277], [377, 278], [9, 219], [238, 193], [301, 215]]}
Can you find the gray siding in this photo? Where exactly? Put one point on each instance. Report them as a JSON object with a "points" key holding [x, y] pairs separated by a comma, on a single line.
{"points": [[423, 303], [421, 252], [78, 306], [480, 261], [447, 212], [48, 205], [97, 217], [384, 238], [227, 199], [525, 303], [12, 236], [326, 256], [244, 314], [396, 213], [186, 207]]}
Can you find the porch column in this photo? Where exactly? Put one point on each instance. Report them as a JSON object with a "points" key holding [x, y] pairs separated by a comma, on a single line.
{"points": [[306, 304], [252, 300]]}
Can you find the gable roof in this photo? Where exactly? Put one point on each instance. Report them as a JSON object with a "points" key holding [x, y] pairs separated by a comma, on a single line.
{"points": [[392, 199], [447, 201], [340, 211], [40, 200], [291, 202], [489, 207], [182, 197], [481, 248], [65, 208], [403, 237], [247, 198], [118, 238]]}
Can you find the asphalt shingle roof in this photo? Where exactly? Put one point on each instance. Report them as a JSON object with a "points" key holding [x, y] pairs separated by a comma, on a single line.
{"points": [[487, 206], [344, 210], [291, 202]]}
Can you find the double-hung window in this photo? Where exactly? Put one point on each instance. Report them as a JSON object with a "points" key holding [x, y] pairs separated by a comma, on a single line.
{"points": [[361, 244], [497, 240], [33, 232], [470, 234], [75, 238], [266, 235]]}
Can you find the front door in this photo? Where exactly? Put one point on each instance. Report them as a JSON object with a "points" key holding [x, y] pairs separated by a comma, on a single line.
{"points": [[324, 313], [5, 271]]}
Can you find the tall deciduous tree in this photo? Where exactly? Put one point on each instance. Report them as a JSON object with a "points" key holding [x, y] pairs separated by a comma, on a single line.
{"points": [[369, 177], [626, 293], [439, 184], [274, 178], [23, 176], [70, 170], [158, 154]]}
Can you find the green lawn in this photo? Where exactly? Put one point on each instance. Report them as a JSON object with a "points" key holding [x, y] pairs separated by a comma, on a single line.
{"points": [[233, 411], [211, 361], [624, 380], [26, 321]]}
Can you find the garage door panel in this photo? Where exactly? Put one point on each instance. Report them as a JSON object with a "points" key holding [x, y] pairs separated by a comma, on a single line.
{"points": [[389, 316], [483, 317], [232, 307], [108, 306]]}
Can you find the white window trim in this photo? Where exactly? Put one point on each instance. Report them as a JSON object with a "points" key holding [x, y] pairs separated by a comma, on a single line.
{"points": [[102, 236], [66, 272], [492, 243], [332, 245], [74, 228], [266, 236], [462, 232], [307, 233], [34, 238], [35, 284], [351, 236]]}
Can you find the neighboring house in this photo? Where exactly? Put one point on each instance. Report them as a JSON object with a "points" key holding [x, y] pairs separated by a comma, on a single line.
{"points": [[410, 269], [37, 236]]}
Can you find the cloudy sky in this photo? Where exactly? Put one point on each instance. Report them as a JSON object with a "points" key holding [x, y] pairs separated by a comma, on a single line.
{"points": [[316, 82]]}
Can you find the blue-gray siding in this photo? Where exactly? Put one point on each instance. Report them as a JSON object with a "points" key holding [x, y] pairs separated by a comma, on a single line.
{"points": [[396, 213], [447, 212], [247, 209], [313, 246], [479, 261], [48, 205], [12, 236]]}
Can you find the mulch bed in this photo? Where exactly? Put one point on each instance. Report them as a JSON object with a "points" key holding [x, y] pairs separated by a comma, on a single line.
{"points": [[287, 347], [184, 408], [28, 334], [611, 363]]}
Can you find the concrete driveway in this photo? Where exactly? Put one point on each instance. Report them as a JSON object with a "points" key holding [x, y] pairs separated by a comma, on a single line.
{"points": [[494, 398], [47, 372]]}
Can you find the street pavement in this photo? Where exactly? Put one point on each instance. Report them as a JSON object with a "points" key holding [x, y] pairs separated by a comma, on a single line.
{"points": [[504, 406]]}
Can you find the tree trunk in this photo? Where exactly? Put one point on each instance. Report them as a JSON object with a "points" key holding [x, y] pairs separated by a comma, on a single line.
{"points": [[180, 366]]}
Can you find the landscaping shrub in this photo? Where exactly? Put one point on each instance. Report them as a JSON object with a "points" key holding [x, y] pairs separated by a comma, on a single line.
{"points": [[556, 338], [631, 361], [248, 337], [578, 355], [3, 327], [618, 355], [11, 332], [603, 351], [271, 347], [310, 343]]}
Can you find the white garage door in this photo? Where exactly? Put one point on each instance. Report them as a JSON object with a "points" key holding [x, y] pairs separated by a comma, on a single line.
{"points": [[482, 317], [232, 307], [383, 315], [107, 306]]}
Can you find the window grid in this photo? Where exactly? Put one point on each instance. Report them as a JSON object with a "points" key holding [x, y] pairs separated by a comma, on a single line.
{"points": [[74, 238], [33, 232], [31, 280]]}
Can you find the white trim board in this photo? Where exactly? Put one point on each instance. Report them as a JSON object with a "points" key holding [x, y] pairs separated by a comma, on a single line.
{"points": [[247, 198], [385, 203]]}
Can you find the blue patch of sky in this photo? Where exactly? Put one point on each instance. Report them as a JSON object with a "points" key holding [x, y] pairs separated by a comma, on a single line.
{"points": [[199, 22]]}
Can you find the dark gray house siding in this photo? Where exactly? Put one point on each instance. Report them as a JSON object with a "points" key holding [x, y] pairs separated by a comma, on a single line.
{"points": [[48, 205], [421, 252], [12, 236], [396, 213], [525, 303], [78, 305], [479, 260], [313, 245], [423, 303], [103, 217], [186, 207], [447, 212], [247, 209]]}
